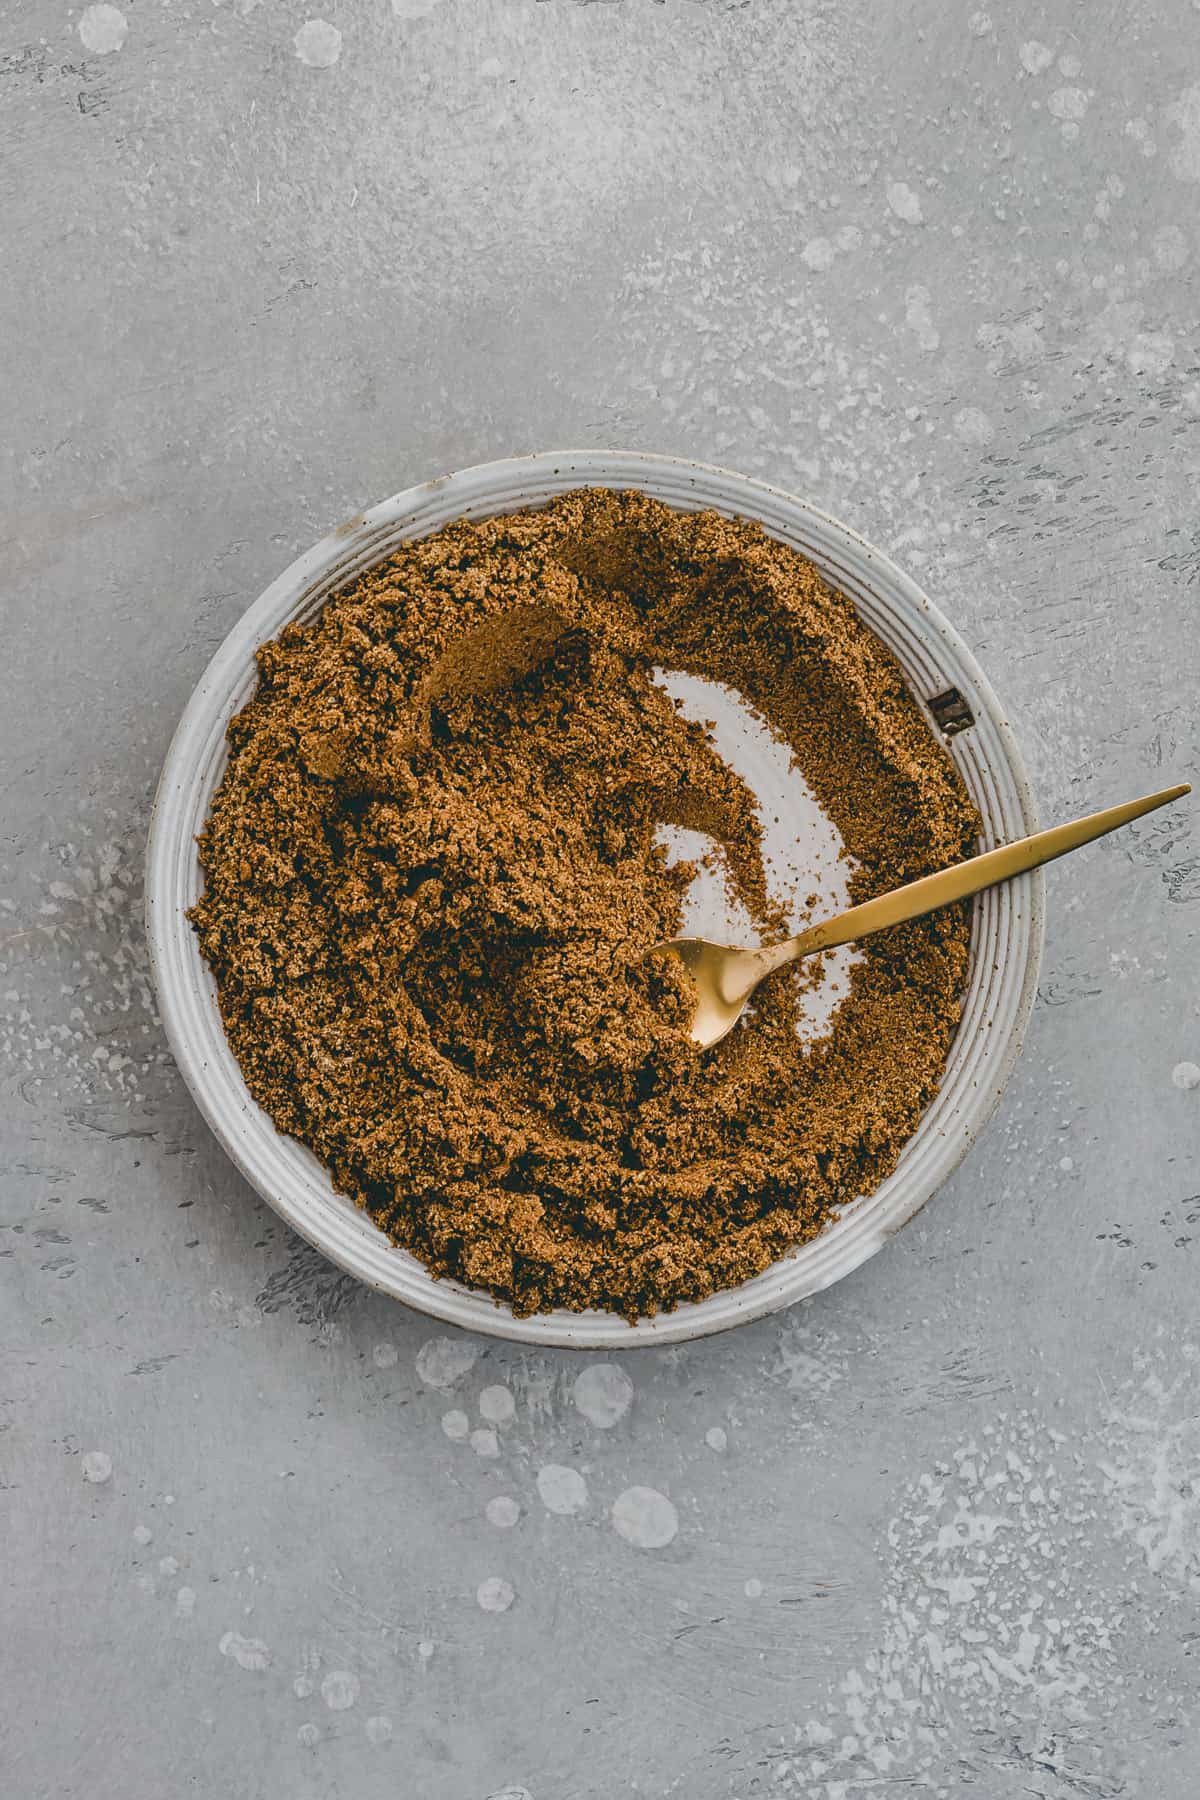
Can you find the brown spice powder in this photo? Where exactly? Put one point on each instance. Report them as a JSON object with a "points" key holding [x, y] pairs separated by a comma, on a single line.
{"points": [[432, 879]]}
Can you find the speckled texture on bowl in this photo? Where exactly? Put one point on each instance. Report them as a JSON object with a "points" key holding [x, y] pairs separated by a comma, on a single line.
{"points": [[1005, 945]]}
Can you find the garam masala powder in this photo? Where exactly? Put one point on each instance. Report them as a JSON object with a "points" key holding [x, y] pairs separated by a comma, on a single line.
{"points": [[432, 878]]}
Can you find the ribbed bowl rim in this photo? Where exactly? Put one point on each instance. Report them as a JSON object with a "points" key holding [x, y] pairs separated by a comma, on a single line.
{"points": [[1006, 936]]}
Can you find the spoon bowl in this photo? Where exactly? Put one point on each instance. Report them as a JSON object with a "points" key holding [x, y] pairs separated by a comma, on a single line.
{"points": [[722, 981]]}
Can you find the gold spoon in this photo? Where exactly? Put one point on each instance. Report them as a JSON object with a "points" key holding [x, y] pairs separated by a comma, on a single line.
{"points": [[725, 978]]}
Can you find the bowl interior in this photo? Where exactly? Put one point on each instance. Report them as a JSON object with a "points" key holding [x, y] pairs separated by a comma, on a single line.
{"points": [[1006, 935]]}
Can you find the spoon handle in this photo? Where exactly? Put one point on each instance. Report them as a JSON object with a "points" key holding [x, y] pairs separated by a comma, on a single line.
{"points": [[970, 877]]}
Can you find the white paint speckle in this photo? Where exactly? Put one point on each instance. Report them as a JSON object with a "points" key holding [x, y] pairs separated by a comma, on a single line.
{"points": [[414, 9], [511, 1793], [919, 318], [972, 426], [303, 1687], [491, 67], [443, 1361], [1070, 66], [904, 202], [456, 1425], [643, 1516], [425, 1650], [562, 1490], [143, 1535], [1183, 116], [1170, 248], [603, 1393], [97, 1467], [1068, 103], [980, 24], [185, 1602], [318, 44], [1035, 57], [308, 1735], [385, 1356], [1186, 1076], [990, 1601], [497, 1405], [495, 1594], [753, 1588], [247, 1653], [1152, 1444], [1150, 353], [339, 1690], [502, 1511], [103, 29], [379, 1729], [715, 1438], [1066, 1164], [168, 1565], [1139, 130], [818, 253], [484, 1442]]}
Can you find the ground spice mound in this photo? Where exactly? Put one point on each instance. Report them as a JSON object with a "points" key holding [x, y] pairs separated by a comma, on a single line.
{"points": [[432, 878]]}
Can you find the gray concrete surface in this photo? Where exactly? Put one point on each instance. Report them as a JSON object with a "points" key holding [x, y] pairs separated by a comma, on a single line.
{"points": [[938, 1531]]}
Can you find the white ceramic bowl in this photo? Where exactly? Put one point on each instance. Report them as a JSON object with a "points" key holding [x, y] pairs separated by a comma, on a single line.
{"points": [[1006, 939]]}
